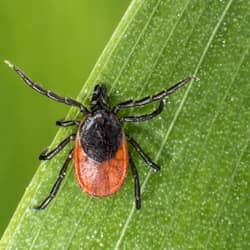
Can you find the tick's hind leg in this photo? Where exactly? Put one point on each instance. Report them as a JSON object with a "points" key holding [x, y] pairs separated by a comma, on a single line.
{"points": [[137, 187], [47, 156], [143, 155], [57, 184]]}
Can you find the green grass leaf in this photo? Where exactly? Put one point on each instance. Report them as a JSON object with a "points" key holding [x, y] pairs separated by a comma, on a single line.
{"points": [[200, 199]]}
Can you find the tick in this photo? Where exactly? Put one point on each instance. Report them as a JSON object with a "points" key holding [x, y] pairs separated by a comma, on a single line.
{"points": [[100, 154]]}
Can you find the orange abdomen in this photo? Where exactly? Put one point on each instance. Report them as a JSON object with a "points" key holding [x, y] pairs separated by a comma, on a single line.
{"points": [[101, 178]]}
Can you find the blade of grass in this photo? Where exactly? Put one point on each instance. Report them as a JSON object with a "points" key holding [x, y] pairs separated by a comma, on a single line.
{"points": [[199, 200]]}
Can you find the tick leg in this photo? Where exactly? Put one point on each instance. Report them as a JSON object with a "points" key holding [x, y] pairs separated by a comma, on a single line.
{"points": [[48, 93], [136, 184], [149, 99], [143, 155], [146, 117], [47, 156], [63, 123], [57, 184]]}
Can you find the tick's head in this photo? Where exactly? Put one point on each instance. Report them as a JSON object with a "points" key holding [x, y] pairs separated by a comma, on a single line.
{"points": [[100, 98]]}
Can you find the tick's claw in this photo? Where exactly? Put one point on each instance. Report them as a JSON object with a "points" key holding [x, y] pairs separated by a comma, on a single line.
{"points": [[43, 155], [59, 122], [9, 64], [155, 167], [195, 78], [37, 208], [138, 204]]}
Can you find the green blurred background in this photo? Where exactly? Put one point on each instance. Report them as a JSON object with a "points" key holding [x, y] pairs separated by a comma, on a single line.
{"points": [[57, 43]]}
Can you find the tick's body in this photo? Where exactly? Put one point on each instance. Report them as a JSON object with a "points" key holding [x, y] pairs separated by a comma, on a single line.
{"points": [[100, 153]]}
